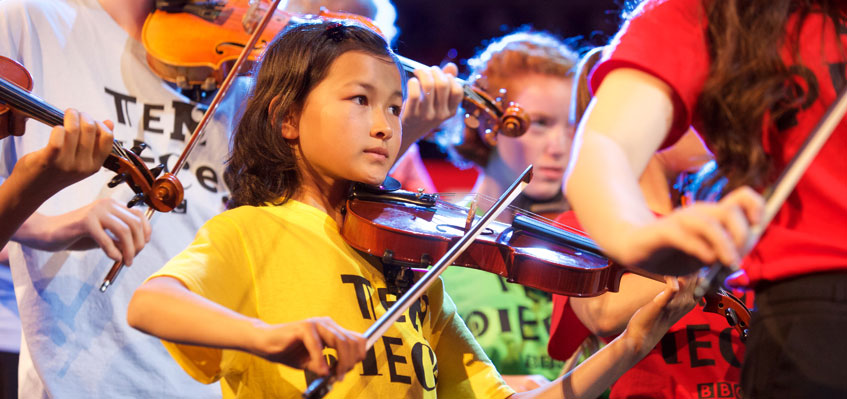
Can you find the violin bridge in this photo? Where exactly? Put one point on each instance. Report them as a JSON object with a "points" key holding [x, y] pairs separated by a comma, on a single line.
{"points": [[471, 215], [254, 14]]}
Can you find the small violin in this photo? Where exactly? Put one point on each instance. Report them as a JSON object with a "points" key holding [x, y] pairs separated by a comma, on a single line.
{"points": [[411, 229], [162, 193]]}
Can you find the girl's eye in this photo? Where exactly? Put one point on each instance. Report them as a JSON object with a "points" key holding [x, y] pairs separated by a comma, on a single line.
{"points": [[395, 109], [361, 100]]}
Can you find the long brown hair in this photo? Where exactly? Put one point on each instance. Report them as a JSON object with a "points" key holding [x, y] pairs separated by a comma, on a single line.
{"points": [[262, 165], [750, 88]]}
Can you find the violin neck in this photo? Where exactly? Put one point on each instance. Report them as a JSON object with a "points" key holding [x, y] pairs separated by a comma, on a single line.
{"points": [[27, 103], [13, 96], [643, 273]]}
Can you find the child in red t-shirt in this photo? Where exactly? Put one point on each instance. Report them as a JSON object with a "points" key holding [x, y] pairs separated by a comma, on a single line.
{"points": [[753, 79], [700, 353]]}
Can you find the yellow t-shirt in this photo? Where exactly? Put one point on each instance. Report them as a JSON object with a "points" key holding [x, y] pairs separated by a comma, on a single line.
{"points": [[288, 263]]}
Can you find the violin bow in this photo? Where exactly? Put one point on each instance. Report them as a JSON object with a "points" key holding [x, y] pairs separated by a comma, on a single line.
{"points": [[779, 191], [199, 130], [321, 386]]}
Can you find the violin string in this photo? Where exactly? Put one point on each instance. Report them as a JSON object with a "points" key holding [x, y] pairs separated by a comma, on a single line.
{"points": [[514, 209], [40, 110]]}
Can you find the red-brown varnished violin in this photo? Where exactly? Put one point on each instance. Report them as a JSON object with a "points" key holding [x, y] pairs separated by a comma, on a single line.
{"points": [[411, 229], [162, 193]]}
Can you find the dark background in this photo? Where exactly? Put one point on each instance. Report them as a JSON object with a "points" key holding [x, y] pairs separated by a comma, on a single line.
{"points": [[436, 31]]}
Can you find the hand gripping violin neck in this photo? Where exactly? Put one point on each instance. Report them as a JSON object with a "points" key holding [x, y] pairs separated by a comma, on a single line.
{"points": [[160, 192]]}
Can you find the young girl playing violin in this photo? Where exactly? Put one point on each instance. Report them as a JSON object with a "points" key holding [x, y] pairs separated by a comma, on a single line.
{"points": [[754, 77], [261, 281]]}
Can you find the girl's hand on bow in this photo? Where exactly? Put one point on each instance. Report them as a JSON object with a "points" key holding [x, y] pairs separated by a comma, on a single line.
{"points": [[300, 344]]}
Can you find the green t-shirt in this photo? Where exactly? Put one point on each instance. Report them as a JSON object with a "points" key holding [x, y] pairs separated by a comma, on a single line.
{"points": [[511, 322]]}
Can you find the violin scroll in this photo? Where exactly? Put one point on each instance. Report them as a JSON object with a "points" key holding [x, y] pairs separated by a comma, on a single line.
{"points": [[514, 121], [733, 309], [168, 192], [488, 117], [160, 193]]}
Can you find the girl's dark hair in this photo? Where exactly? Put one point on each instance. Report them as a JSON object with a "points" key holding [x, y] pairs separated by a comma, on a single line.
{"points": [[749, 86], [262, 165]]}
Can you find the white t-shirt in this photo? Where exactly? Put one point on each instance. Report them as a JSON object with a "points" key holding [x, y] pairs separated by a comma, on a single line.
{"points": [[10, 322], [77, 343]]}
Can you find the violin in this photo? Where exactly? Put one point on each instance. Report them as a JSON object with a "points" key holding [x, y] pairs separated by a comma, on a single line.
{"points": [[410, 229], [162, 193], [213, 33]]}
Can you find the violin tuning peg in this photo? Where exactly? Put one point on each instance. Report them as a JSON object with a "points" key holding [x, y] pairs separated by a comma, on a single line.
{"points": [[137, 199], [731, 317], [471, 121], [209, 84], [157, 170], [136, 149], [490, 137], [182, 82], [118, 179]]}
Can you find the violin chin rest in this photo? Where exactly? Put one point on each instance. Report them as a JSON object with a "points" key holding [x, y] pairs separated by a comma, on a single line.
{"points": [[390, 184]]}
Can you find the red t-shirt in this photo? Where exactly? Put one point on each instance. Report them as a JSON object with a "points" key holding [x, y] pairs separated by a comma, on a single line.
{"points": [[667, 39], [699, 357]]}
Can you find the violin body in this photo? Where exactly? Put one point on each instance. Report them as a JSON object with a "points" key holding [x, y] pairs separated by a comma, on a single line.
{"points": [[416, 233], [199, 48], [18, 75]]}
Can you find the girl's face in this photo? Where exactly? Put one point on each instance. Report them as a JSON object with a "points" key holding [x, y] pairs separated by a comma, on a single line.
{"points": [[547, 142], [349, 128]]}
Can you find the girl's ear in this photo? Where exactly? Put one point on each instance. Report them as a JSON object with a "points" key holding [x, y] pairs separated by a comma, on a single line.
{"points": [[289, 129], [289, 125]]}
